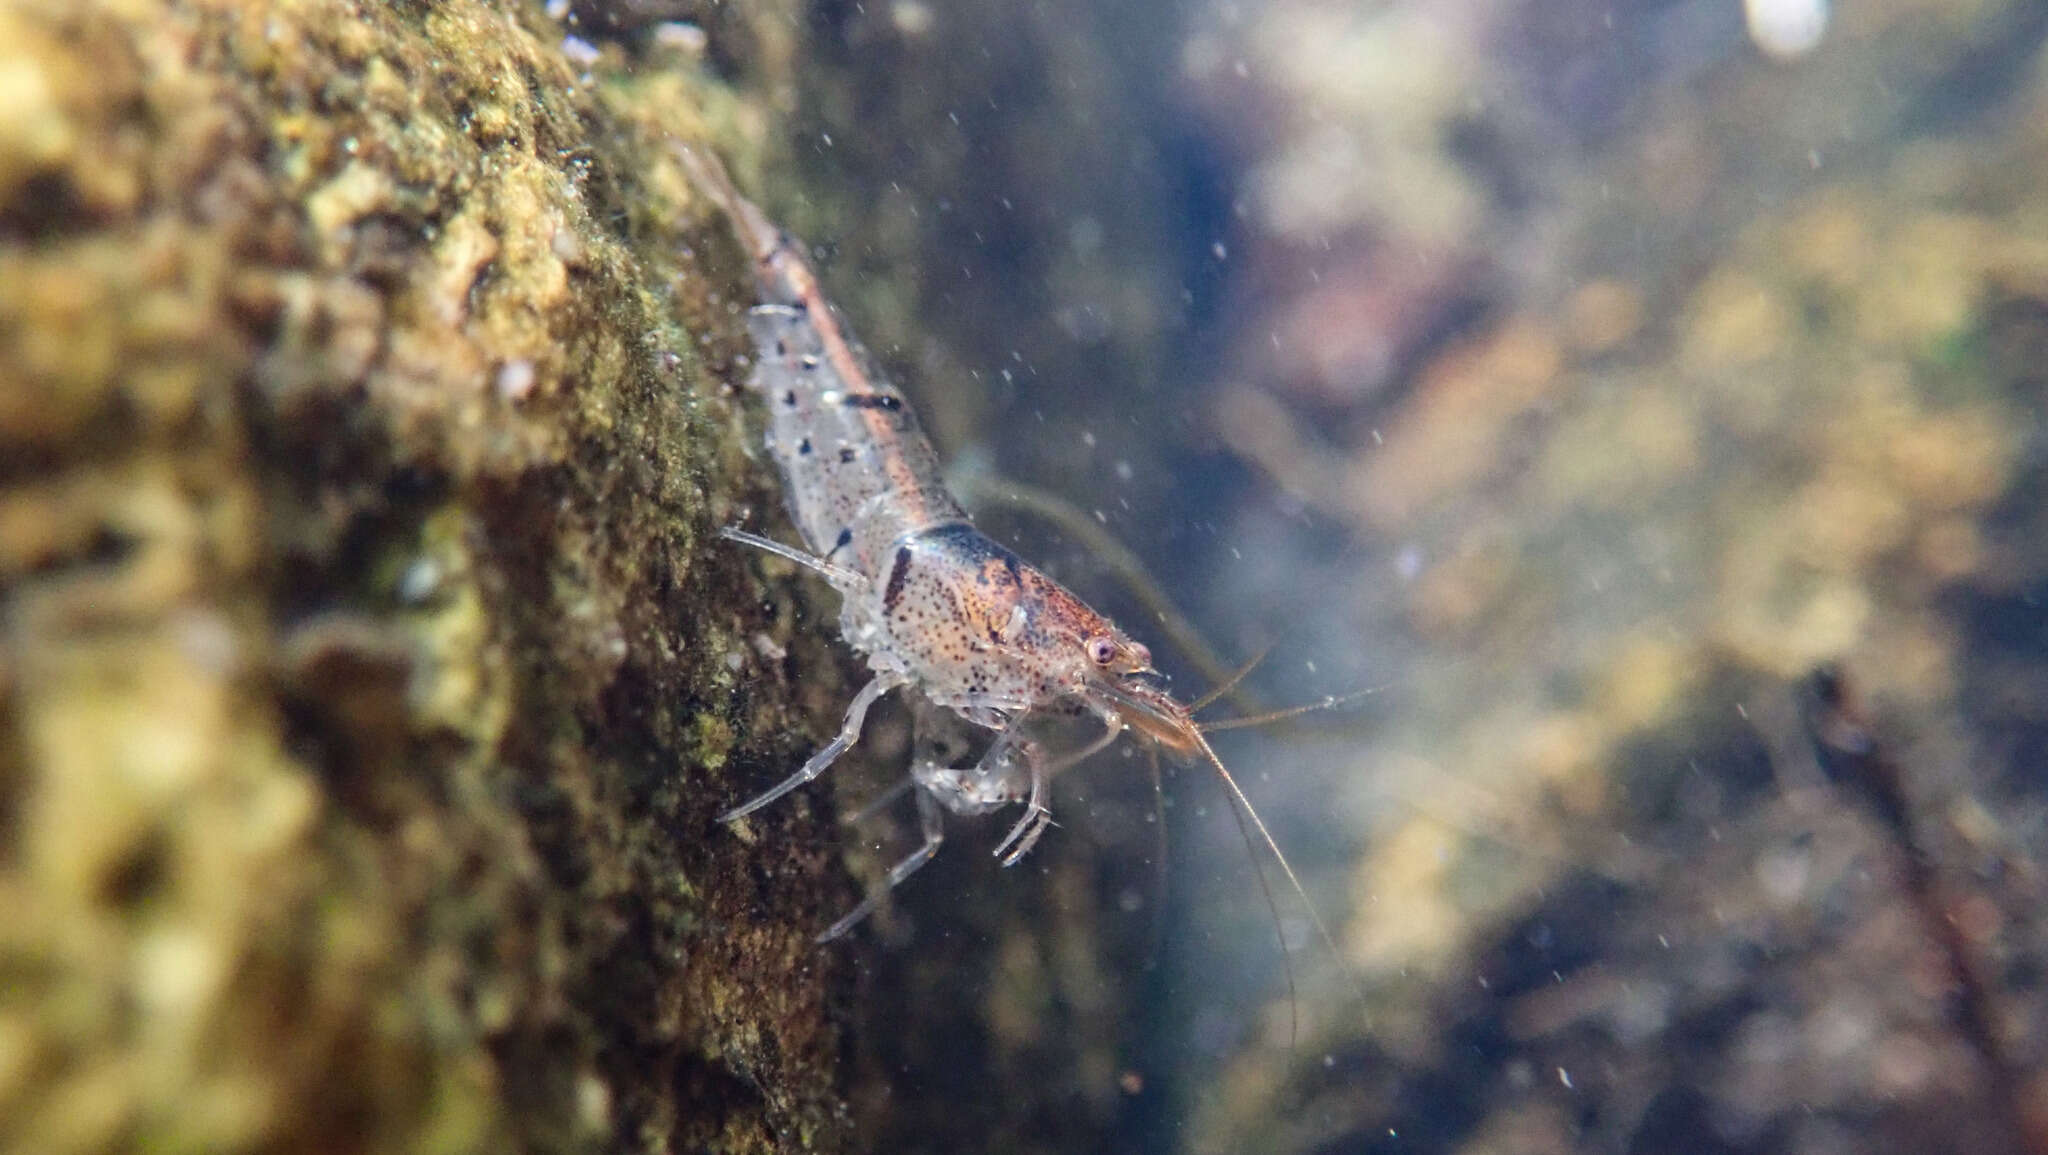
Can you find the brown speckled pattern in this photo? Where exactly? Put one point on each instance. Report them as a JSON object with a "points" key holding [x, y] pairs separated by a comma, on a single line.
{"points": [[979, 627], [975, 627], [851, 452]]}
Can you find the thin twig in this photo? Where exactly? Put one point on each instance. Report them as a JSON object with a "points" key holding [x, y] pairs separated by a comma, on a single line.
{"points": [[1851, 753]]}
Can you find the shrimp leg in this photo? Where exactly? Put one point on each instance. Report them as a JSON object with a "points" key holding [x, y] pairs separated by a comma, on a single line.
{"points": [[844, 580], [1037, 816], [939, 738], [932, 821], [879, 802], [849, 733]]}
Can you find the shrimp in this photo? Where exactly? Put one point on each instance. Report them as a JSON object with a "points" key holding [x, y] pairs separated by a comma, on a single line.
{"points": [[929, 601]]}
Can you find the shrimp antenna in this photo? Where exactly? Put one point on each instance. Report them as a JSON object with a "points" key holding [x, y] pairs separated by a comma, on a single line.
{"points": [[1231, 682], [1272, 905], [1328, 703], [1160, 884], [1238, 796]]}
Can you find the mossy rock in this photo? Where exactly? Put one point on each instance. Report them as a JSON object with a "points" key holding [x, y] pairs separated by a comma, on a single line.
{"points": [[370, 677]]}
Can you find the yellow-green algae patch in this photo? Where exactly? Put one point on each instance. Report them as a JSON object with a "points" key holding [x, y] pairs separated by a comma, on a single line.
{"points": [[360, 646]]}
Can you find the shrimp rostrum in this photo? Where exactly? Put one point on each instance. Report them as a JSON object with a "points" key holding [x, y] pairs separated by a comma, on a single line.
{"points": [[931, 603]]}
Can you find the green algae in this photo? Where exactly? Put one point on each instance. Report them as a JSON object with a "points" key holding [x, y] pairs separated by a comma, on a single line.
{"points": [[363, 673]]}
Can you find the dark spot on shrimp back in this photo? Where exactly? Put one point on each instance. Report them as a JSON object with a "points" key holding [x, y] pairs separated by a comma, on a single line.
{"points": [[899, 571]]}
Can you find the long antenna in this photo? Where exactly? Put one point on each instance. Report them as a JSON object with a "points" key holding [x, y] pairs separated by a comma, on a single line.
{"points": [[1272, 907], [1229, 683], [1157, 938], [1293, 879], [1330, 702]]}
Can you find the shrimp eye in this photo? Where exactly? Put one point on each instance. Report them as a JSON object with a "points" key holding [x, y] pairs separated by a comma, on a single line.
{"points": [[1102, 650]]}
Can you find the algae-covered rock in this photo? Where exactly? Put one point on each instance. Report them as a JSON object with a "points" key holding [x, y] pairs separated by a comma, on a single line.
{"points": [[369, 676]]}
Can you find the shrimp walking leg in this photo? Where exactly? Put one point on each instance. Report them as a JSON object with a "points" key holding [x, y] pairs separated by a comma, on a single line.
{"points": [[842, 579], [849, 733], [879, 802], [1001, 776], [940, 738], [932, 822], [1038, 816], [1025, 834]]}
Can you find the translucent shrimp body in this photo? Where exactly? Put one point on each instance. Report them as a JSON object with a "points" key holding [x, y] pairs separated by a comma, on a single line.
{"points": [[928, 600]]}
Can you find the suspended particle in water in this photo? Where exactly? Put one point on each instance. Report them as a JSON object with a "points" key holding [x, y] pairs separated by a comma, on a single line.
{"points": [[1786, 29]]}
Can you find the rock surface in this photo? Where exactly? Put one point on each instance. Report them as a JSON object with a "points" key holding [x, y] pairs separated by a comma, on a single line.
{"points": [[369, 674]]}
